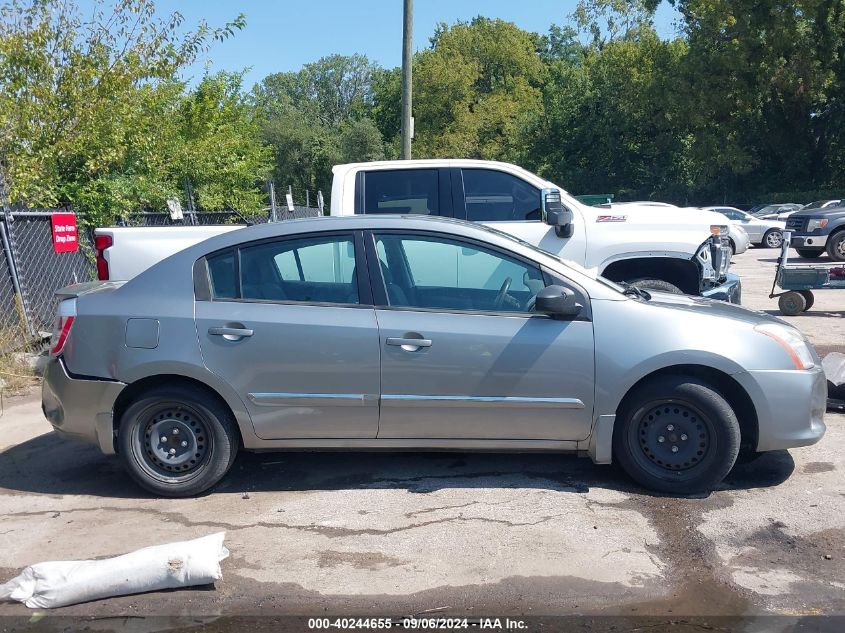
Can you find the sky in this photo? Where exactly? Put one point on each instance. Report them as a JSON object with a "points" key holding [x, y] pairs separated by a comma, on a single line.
{"points": [[283, 35]]}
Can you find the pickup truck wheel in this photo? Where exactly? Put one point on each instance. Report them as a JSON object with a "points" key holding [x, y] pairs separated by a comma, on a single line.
{"points": [[656, 284], [177, 442], [676, 434], [836, 247], [773, 238], [809, 253]]}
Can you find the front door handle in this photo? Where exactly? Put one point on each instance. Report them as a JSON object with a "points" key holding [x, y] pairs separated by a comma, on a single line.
{"points": [[409, 344], [230, 333]]}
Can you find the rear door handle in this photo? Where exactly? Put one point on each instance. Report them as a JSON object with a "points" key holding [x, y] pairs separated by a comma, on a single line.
{"points": [[406, 343], [230, 333]]}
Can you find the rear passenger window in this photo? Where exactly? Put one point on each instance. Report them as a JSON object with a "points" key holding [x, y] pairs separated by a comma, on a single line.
{"points": [[494, 196], [221, 271], [315, 270], [401, 191]]}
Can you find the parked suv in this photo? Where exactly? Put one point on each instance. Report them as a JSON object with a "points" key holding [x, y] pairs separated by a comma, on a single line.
{"points": [[815, 231]]}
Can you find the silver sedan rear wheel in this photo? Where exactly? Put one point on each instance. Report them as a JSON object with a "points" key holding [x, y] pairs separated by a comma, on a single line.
{"points": [[177, 441], [773, 238]]}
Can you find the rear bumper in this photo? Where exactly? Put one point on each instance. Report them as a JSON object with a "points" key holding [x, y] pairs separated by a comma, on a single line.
{"points": [[729, 290], [79, 409], [809, 241], [790, 406]]}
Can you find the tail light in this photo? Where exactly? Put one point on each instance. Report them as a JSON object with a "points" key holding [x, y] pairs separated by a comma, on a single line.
{"points": [[64, 321], [101, 243]]}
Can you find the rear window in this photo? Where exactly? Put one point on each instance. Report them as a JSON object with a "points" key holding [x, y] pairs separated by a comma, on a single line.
{"points": [[401, 191]]}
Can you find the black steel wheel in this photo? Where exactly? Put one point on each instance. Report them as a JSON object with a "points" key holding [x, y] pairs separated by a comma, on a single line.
{"points": [[676, 434], [177, 441]]}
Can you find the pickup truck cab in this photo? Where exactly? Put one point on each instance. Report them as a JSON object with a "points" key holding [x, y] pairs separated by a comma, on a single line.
{"points": [[648, 246], [815, 231]]}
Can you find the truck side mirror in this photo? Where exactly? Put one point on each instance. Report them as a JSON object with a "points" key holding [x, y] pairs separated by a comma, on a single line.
{"points": [[557, 301], [555, 214]]}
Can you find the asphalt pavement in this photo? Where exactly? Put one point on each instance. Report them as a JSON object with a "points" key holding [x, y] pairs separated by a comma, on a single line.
{"points": [[440, 534]]}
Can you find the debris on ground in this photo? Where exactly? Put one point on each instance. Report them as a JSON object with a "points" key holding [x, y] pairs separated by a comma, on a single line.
{"points": [[62, 583]]}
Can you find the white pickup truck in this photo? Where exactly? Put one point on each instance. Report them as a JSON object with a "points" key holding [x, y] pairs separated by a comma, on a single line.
{"points": [[648, 246]]}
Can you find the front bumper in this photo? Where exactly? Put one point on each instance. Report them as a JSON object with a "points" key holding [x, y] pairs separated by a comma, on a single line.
{"points": [[729, 290], [79, 408], [790, 406], [809, 241]]}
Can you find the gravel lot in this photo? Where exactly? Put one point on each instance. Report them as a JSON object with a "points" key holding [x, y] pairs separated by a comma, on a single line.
{"points": [[479, 534]]}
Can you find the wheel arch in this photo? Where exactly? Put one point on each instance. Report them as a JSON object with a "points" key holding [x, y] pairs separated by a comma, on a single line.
{"points": [[736, 396], [135, 389], [679, 272]]}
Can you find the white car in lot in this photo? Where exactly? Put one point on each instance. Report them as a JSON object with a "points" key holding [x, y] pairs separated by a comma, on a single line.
{"points": [[766, 233]]}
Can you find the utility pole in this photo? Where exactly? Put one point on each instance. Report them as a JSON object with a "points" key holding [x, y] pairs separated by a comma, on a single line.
{"points": [[407, 73]]}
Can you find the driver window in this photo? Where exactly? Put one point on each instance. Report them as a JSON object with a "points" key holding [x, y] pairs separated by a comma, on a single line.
{"points": [[493, 196], [436, 273]]}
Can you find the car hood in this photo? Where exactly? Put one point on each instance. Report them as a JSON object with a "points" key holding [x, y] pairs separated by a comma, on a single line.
{"points": [[710, 307]]}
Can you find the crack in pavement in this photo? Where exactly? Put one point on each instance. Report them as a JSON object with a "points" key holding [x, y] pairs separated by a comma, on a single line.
{"points": [[324, 530]]}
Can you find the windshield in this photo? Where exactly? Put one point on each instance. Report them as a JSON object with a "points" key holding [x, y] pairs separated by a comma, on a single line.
{"points": [[818, 204]]}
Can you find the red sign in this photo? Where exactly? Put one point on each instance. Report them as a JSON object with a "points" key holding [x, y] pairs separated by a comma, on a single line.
{"points": [[64, 232]]}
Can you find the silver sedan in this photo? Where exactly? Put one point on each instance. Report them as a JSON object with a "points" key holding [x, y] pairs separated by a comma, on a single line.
{"points": [[374, 332], [767, 233]]}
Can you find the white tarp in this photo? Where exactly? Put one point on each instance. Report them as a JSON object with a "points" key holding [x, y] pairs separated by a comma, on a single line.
{"points": [[61, 583]]}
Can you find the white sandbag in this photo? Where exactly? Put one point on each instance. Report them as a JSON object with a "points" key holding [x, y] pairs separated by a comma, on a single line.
{"points": [[60, 583]]}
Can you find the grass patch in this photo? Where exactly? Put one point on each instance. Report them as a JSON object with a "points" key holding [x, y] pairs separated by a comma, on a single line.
{"points": [[17, 368]]}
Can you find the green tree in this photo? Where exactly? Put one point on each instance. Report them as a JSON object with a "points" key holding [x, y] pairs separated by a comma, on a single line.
{"points": [[475, 89], [219, 145], [766, 87], [86, 102]]}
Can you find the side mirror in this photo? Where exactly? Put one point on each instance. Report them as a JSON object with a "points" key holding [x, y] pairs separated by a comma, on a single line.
{"points": [[555, 214], [557, 301]]}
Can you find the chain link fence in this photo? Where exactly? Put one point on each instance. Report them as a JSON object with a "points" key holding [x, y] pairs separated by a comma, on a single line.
{"points": [[31, 270]]}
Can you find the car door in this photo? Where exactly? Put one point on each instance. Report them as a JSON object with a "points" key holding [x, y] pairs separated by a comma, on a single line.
{"points": [[463, 354], [289, 323]]}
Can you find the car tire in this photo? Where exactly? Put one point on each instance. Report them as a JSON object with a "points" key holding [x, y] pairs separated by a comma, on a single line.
{"points": [[677, 435], [177, 441], [809, 253], [773, 238], [792, 303], [809, 299], [656, 284], [836, 247]]}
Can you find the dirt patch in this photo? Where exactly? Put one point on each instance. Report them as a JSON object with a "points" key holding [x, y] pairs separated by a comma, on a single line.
{"points": [[359, 560], [817, 467]]}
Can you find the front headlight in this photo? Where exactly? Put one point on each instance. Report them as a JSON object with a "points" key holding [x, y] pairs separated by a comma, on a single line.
{"points": [[813, 225], [793, 343]]}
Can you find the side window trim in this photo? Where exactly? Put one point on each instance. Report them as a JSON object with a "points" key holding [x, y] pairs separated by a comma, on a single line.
{"points": [[458, 194], [444, 193]]}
